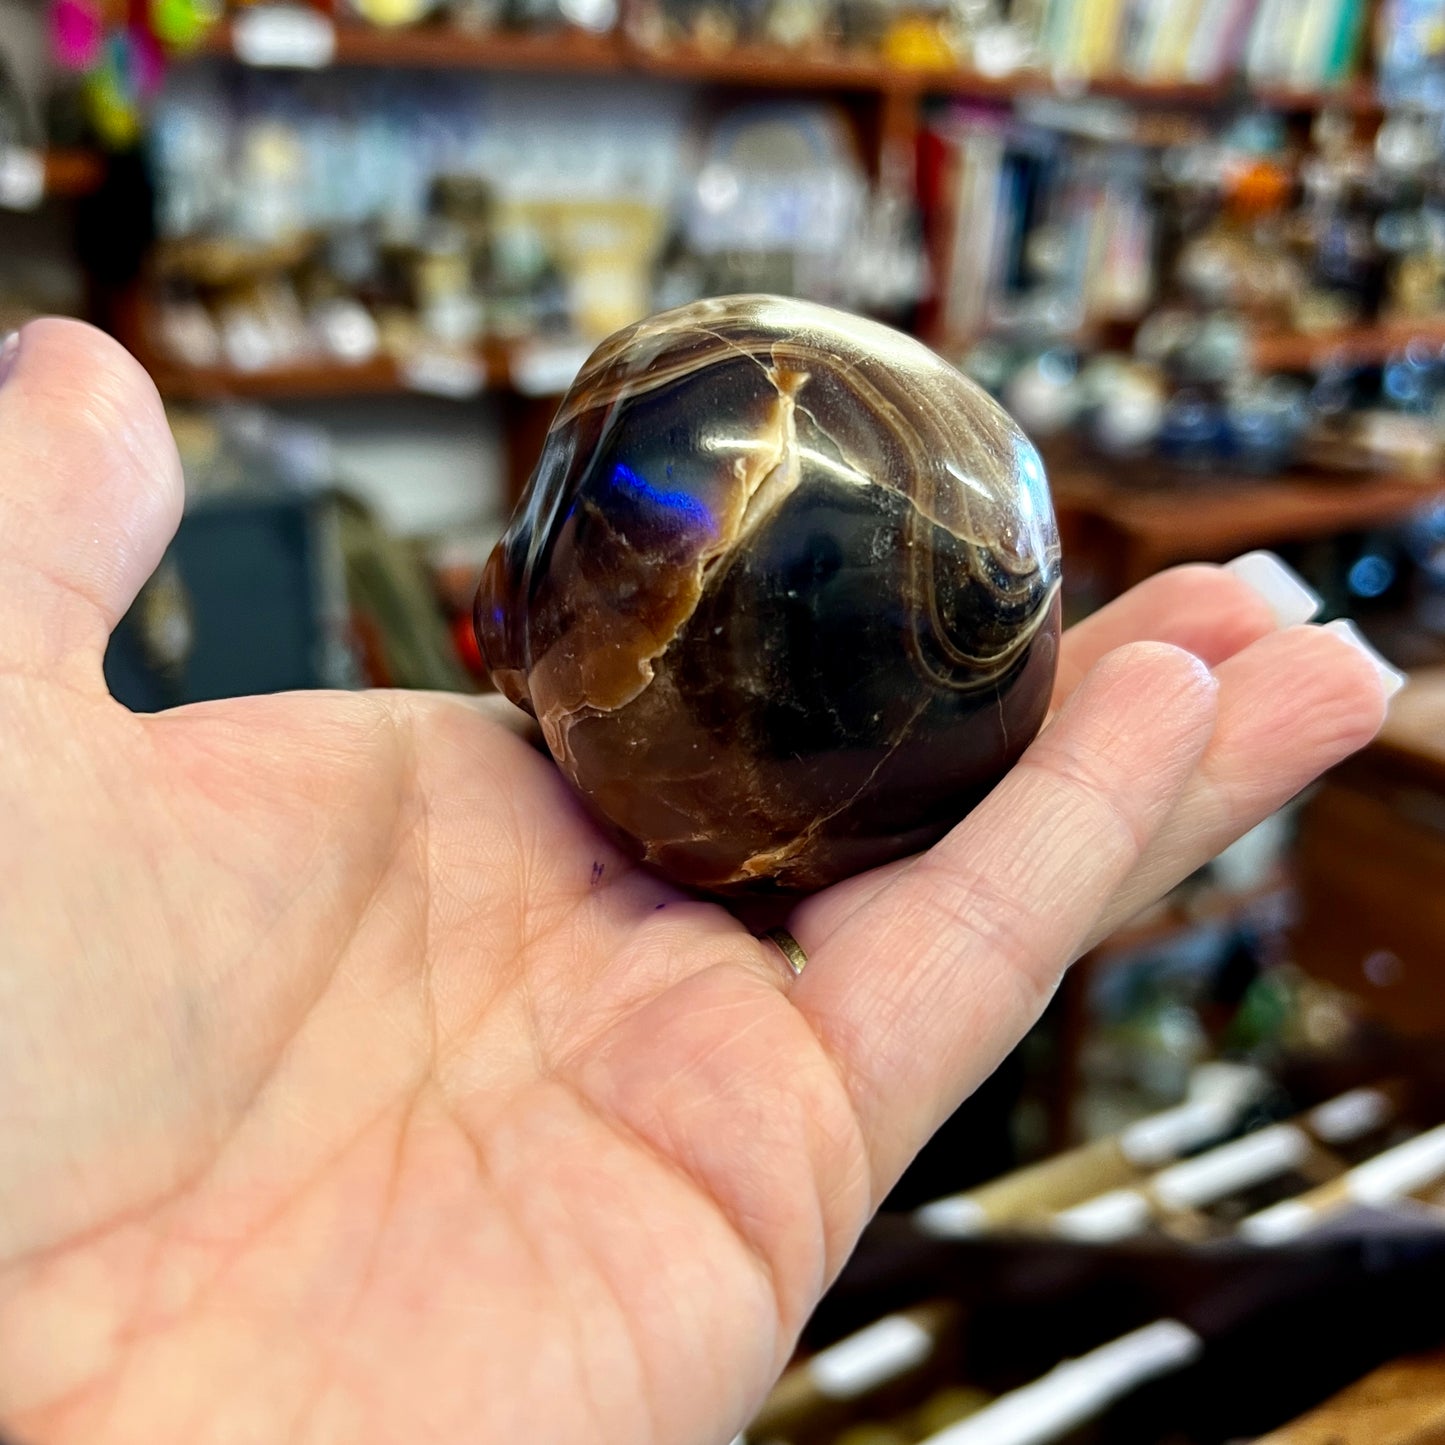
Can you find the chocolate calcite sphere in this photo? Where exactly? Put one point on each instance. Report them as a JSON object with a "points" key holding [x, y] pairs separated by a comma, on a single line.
{"points": [[782, 593]]}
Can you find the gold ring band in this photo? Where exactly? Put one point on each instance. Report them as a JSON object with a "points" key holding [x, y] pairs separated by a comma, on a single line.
{"points": [[789, 947]]}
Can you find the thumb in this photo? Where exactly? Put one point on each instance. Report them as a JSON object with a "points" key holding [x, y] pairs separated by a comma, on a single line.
{"points": [[90, 495]]}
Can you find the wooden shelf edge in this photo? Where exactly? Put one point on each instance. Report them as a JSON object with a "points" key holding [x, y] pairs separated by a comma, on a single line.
{"points": [[379, 377], [438, 47], [763, 66], [1304, 351], [450, 48], [1356, 96], [304, 381], [324, 379], [1221, 515], [442, 47]]}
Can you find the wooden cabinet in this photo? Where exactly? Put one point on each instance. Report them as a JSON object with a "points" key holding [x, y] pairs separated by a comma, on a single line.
{"points": [[1371, 868]]}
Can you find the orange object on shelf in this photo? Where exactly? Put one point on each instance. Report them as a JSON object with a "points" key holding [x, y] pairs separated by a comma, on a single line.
{"points": [[71, 173], [1259, 187]]}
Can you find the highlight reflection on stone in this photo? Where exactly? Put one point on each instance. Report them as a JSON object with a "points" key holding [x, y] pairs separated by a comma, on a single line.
{"points": [[782, 593]]}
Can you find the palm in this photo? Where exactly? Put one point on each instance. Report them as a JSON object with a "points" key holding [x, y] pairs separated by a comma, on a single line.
{"points": [[420, 1032], [362, 1091]]}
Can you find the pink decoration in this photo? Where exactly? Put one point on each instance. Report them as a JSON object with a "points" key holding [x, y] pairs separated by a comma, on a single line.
{"points": [[147, 63], [77, 32]]}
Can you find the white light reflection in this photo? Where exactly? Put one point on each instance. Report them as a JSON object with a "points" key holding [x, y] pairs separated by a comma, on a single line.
{"points": [[825, 463], [972, 483], [734, 444], [840, 470], [1034, 506]]}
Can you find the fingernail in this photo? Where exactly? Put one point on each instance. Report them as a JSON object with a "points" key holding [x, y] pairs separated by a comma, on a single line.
{"points": [[1282, 588], [9, 350], [1392, 678]]}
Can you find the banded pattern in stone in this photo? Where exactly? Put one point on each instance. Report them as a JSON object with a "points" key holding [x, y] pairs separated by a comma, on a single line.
{"points": [[782, 593]]}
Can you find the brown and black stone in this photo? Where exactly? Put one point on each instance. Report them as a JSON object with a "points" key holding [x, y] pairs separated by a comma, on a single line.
{"points": [[782, 593]]}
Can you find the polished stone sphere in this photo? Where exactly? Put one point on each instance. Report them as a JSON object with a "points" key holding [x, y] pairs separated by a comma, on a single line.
{"points": [[782, 593]]}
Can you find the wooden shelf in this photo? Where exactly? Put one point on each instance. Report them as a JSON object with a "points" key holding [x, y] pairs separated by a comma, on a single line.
{"points": [[1358, 96], [429, 374], [570, 51], [378, 377], [1401, 1403], [1355, 97], [1284, 351], [301, 381], [763, 66], [1215, 516], [443, 47]]}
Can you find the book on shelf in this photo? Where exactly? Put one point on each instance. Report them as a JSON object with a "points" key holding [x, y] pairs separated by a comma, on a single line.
{"points": [[1033, 231], [1303, 44]]}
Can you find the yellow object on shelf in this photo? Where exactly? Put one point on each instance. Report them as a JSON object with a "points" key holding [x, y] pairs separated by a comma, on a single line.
{"points": [[916, 43], [389, 14]]}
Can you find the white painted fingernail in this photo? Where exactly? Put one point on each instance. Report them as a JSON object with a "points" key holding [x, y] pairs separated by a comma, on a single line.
{"points": [[1282, 588], [9, 351], [1392, 678]]}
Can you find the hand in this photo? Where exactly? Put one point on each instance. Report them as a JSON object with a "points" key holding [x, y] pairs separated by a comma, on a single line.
{"points": [[356, 1090]]}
